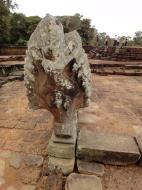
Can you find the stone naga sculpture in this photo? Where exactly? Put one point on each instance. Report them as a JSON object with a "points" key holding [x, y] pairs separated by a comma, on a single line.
{"points": [[57, 73]]}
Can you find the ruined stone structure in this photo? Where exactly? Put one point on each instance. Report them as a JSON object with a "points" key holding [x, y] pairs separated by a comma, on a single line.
{"points": [[57, 77]]}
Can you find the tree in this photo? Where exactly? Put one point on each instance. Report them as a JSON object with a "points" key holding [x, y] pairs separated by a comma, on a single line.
{"points": [[83, 26], [5, 7], [31, 23], [138, 38], [70, 23], [102, 37], [4, 22], [22, 27], [87, 32], [18, 29], [10, 4]]}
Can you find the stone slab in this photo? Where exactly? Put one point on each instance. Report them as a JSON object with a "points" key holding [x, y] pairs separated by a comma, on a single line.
{"points": [[61, 150], [2, 181], [83, 182], [69, 140], [16, 160], [67, 165], [107, 148], [92, 168], [68, 130], [139, 141], [28, 187], [2, 168], [63, 131], [11, 188], [33, 160], [88, 115]]}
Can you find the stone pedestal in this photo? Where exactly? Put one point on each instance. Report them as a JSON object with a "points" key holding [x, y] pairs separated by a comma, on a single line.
{"points": [[61, 150]]}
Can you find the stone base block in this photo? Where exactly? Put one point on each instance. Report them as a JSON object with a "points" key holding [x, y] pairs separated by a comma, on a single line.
{"points": [[60, 150], [83, 182], [139, 141], [107, 148], [67, 165], [61, 147], [69, 140]]}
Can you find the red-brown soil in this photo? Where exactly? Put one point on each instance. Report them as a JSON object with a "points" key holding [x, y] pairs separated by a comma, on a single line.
{"points": [[117, 109]]}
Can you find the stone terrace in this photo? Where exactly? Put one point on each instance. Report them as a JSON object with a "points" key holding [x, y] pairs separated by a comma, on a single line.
{"points": [[116, 108]]}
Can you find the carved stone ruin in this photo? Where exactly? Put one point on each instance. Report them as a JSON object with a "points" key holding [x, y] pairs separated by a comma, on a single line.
{"points": [[57, 78]]}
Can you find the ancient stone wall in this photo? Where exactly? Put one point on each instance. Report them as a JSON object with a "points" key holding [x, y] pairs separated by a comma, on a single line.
{"points": [[13, 50]]}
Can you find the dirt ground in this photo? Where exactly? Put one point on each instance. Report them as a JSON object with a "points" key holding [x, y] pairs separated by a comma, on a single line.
{"points": [[119, 105], [24, 133], [116, 108]]}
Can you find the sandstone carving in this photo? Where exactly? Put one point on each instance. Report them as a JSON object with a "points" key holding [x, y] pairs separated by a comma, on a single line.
{"points": [[57, 73]]}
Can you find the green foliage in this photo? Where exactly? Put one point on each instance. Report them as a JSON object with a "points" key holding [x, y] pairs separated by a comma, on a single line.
{"points": [[21, 42], [71, 23], [83, 26], [15, 28], [4, 22], [18, 28], [22, 27], [102, 36], [87, 32], [31, 24], [138, 38], [10, 4]]}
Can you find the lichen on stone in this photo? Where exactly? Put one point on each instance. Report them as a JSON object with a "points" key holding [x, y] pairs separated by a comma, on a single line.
{"points": [[57, 73]]}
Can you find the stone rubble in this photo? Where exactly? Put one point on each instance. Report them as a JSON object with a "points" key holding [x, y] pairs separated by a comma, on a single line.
{"points": [[83, 182], [92, 168]]}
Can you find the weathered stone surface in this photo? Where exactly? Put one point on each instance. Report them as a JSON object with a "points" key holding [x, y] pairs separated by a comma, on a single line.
{"points": [[57, 73], [83, 182], [29, 175], [16, 160], [55, 180], [88, 115], [87, 118], [28, 187], [107, 148], [139, 142], [90, 168], [33, 160], [5, 154], [61, 150], [2, 167], [42, 183], [11, 188], [66, 165], [2, 181], [70, 140]]}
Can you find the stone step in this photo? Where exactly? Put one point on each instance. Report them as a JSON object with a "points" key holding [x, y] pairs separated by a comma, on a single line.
{"points": [[107, 148], [139, 141], [61, 150], [83, 182], [67, 165]]}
